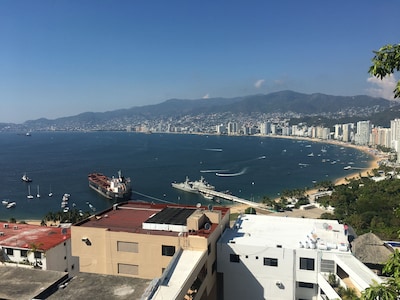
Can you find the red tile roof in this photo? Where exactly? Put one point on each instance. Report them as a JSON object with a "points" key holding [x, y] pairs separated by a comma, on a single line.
{"points": [[15, 235]]}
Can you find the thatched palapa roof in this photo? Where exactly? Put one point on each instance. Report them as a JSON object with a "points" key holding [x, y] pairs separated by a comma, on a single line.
{"points": [[370, 249]]}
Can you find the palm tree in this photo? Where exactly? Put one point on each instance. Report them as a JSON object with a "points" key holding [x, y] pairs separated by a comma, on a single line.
{"points": [[379, 292], [347, 294], [34, 248]]}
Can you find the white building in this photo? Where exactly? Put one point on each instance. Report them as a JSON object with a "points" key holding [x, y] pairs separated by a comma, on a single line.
{"points": [[347, 132], [47, 248], [268, 257], [232, 128], [395, 132], [265, 128], [220, 129], [362, 136], [338, 135]]}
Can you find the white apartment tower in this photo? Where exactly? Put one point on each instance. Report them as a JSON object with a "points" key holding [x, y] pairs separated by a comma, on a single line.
{"points": [[338, 132], [363, 133], [395, 132], [232, 128], [347, 132], [220, 129], [269, 257], [265, 128]]}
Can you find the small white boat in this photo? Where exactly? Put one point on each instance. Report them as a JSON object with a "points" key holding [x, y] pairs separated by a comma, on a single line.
{"points": [[5, 202], [347, 168], [25, 178], [38, 193], [11, 204], [29, 193], [311, 154], [50, 193]]}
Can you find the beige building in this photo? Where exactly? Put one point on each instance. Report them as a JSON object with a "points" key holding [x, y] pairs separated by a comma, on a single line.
{"points": [[172, 243]]}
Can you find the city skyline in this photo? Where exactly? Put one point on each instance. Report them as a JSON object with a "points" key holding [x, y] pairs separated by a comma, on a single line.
{"points": [[64, 58]]}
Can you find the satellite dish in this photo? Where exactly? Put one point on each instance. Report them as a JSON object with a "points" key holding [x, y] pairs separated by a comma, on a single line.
{"points": [[207, 226], [64, 231], [325, 225], [198, 205]]}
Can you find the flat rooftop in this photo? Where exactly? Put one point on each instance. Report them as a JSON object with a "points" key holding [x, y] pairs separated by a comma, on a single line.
{"points": [[271, 231], [101, 287], [129, 217], [18, 235], [23, 283]]}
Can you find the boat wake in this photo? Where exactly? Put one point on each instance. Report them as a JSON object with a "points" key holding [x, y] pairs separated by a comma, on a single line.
{"points": [[214, 149], [213, 171], [243, 171]]}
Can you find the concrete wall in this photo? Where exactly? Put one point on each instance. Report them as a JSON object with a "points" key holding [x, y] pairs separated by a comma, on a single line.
{"points": [[98, 253]]}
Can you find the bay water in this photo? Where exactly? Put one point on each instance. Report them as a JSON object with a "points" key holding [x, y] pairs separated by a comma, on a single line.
{"points": [[249, 167]]}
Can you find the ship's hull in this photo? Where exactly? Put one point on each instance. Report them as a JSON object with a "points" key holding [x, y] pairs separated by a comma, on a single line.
{"points": [[193, 186], [184, 187], [101, 184]]}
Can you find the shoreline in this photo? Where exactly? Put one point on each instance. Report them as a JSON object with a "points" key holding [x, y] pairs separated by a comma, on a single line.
{"points": [[374, 164]]}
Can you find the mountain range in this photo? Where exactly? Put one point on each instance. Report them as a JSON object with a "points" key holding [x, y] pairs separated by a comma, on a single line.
{"points": [[283, 102]]}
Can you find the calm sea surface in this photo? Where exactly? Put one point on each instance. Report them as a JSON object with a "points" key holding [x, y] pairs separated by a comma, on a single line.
{"points": [[254, 166]]}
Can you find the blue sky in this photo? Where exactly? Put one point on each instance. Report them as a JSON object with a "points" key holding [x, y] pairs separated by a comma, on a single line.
{"points": [[61, 58]]}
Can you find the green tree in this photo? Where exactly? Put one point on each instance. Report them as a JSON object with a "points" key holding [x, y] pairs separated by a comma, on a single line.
{"points": [[250, 211], [385, 62], [392, 266], [35, 248], [379, 292]]}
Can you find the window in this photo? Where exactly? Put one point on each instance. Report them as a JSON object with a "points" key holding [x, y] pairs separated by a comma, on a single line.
{"points": [[307, 285], [268, 261], [306, 263], [167, 250], [128, 247], [24, 253], [128, 269], [234, 258], [37, 254], [9, 251], [327, 266]]}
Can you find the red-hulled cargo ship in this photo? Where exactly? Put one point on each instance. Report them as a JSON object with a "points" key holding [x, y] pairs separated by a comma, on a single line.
{"points": [[111, 188]]}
